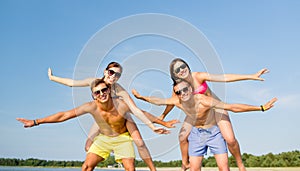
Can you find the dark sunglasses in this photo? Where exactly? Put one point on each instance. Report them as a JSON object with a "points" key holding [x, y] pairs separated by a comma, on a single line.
{"points": [[112, 72], [177, 70], [104, 90], [184, 90]]}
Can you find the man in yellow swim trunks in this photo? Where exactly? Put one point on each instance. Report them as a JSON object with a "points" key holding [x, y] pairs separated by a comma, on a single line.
{"points": [[111, 116]]}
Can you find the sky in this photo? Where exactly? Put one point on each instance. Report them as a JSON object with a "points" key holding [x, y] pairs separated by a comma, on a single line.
{"points": [[77, 39]]}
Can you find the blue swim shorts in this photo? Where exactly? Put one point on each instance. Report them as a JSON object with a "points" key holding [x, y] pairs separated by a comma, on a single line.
{"points": [[201, 139]]}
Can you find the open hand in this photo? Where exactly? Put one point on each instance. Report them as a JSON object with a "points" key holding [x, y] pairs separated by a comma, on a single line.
{"points": [[162, 131], [259, 73], [269, 104], [50, 74], [171, 123], [27, 123]]}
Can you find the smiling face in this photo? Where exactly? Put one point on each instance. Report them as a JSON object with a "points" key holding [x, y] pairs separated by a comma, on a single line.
{"points": [[112, 75], [101, 93], [183, 90], [180, 70]]}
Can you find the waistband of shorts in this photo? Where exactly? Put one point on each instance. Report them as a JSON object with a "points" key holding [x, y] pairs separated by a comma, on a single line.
{"points": [[209, 130], [123, 134]]}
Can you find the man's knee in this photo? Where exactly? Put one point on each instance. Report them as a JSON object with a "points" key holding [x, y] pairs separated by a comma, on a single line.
{"points": [[86, 167], [128, 164], [129, 168], [89, 165]]}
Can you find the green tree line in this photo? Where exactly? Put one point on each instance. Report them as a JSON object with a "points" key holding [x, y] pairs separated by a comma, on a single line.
{"points": [[285, 159]]}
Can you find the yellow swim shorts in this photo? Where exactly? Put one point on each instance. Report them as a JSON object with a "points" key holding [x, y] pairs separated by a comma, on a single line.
{"points": [[121, 145]]}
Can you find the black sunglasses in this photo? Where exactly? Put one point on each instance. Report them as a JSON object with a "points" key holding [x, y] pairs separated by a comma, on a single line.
{"points": [[104, 90], [184, 90], [112, 72], [177, 70]]}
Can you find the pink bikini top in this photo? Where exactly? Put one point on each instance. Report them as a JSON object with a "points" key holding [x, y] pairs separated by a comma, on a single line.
{"points": [[201, 88]]}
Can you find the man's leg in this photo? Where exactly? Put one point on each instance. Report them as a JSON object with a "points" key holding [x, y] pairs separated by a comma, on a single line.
{"points": [[128, 164], [140, 144], [91, 162], [226, 129], [222, 161], [195, 163]]}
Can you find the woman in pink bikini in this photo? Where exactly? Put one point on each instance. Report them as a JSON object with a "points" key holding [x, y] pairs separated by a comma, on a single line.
{"points": [[179, 69]]}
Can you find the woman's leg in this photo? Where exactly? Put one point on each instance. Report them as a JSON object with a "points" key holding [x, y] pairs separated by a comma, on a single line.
{"points": [[226, 129], [222, 161], [140, 144], [94, 131], [183, 141]]}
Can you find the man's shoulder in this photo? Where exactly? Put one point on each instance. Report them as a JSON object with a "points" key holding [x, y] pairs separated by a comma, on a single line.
{"points": [[90, 105]]}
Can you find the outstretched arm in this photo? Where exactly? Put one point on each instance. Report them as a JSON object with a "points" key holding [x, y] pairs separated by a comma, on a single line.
{"points": [[155, 100], [166, 112], [230, 77], [209, 101], [154, 119], [120, 91], [57, 117], [70, 82]]}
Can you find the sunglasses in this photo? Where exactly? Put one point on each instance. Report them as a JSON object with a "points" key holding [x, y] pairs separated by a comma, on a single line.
{"points": [[103, 91], [177, 70], [184, 90], [112, 72]]}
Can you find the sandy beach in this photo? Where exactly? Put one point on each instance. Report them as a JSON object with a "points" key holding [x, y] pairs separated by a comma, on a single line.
{"points": [[234, 169]]}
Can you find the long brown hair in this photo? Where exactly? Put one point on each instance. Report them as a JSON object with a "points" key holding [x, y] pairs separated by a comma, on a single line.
{"points": [[114, 64]]}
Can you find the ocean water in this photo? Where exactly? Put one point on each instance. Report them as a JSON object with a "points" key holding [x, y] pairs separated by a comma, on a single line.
{"points": [[49, 169]]}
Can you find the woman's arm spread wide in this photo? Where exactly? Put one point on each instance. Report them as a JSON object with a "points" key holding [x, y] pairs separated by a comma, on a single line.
{"points": [[155, 100], [70, 82], [230, 77], [135, 110], [166, 112]]}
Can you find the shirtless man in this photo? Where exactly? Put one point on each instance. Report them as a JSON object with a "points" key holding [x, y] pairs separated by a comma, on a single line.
{"points": [[201, 125], [111, 116]]}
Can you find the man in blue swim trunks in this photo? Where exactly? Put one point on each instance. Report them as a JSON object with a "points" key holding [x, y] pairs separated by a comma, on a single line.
{"points": [[201, 125]]}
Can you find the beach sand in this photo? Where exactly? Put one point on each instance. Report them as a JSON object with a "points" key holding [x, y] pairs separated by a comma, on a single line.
{"points": [[233, 169]]}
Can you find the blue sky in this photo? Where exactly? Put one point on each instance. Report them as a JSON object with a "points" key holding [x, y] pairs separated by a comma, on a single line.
{"points": [[246, 36]]}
